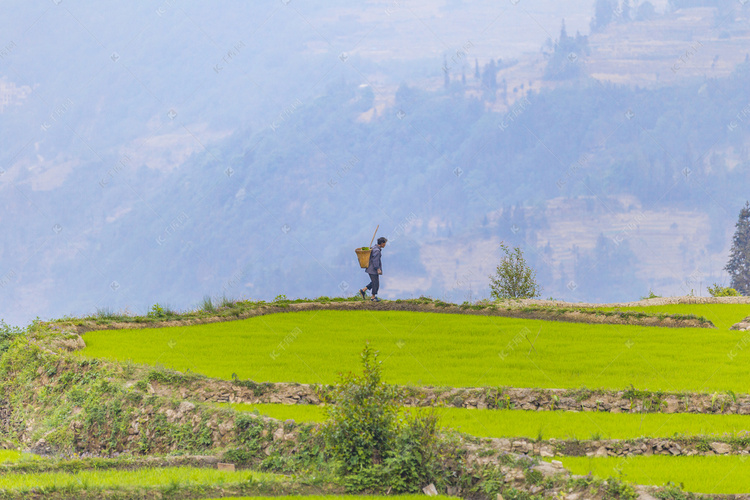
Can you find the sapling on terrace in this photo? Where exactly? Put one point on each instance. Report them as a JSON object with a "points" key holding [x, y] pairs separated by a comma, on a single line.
{"points": [[514, 278]]}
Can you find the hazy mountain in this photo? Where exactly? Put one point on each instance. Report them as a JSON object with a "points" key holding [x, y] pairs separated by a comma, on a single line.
{"points": [[163, 152]]}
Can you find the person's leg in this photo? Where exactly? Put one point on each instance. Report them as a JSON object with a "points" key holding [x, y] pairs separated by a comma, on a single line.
{"points": [[369, 285], [375, 284]]}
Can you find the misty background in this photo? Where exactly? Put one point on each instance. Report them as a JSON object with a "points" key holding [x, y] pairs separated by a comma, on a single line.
{"points": [[159, 152]]}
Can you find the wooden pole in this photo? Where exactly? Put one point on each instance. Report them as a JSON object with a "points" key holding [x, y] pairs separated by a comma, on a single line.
{"points": [[375, 234]]}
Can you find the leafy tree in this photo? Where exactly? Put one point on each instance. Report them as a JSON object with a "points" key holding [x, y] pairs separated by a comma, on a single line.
{"points": [[738, 266], [514, 278]]}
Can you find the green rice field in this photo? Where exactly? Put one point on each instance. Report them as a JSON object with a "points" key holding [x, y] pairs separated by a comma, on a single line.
{"points": [[721, 315], [340, 497], [719, 474], [148, 477], [548, 424], [432, 349], [14, 456]]}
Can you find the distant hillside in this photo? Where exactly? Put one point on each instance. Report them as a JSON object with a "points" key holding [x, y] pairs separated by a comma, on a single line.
{"points": [[248, 151]]}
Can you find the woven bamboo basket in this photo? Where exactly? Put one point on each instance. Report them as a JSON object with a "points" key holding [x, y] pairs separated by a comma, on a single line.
{"points": [[363, 254]]}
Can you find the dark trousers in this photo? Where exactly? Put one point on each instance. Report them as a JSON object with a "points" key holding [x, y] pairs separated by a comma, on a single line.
{"points": [[374, 283]]}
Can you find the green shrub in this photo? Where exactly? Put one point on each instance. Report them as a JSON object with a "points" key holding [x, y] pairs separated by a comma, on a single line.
{"points": [[249, 429], [722, 291], [616, 489], [7, 335], [361, 425], [414, 460], [159, 311], [374, 449]]}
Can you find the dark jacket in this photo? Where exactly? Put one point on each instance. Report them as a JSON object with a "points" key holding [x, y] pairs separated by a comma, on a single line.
{"points": [[374, 261]]}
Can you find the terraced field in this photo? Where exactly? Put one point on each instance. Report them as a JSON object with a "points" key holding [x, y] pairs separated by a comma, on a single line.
{"points": [[550, 424], [725, 474], [705, 450], [125, 480], [424, 349], [723, 316], [338, 497], [15, 456]]}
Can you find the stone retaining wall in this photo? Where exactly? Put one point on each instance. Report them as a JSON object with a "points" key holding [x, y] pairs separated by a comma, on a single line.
{"points": [[629, 401], [618, 448]]}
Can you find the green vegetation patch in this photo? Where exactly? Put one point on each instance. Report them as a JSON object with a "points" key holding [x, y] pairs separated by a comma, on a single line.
{"points": [[14, 456], [442, 350], [719, 474], [549, 424]]}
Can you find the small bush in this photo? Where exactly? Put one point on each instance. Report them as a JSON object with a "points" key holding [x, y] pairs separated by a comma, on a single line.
{"points": [[617, 489], [722, 291], [375, 449], [361, 424], [159, 311], [7, 335], [249, 431]]}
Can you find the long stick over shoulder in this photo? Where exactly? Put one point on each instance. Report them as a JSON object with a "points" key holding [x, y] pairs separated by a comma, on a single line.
{"points": [[375, 234]]}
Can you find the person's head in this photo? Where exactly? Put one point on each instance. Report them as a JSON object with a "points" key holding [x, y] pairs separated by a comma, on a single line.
{"points": [[382, 241]]}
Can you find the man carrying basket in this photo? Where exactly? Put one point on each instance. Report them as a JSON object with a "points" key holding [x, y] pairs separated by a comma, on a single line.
{"points": [[374, 269]]}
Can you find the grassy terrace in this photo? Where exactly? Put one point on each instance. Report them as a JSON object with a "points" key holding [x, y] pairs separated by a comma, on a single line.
{"points": [[559, 425], [722, 474], [340, 497], [120, 479], [442, 350], [721, 315], [14, 456]]}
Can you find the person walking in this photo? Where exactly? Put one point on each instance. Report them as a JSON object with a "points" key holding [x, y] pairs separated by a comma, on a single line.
{"points": [[374, 269]]}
